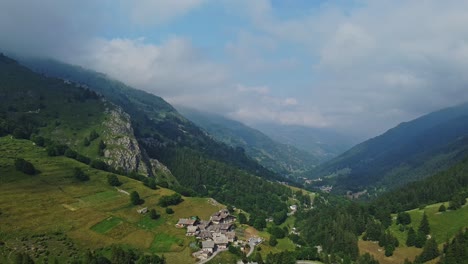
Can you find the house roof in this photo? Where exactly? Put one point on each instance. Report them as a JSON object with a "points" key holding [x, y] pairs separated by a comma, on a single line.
{"points": [[205, 234], [231, 235], [220, 239], [185, 221], [208, 244], [192, 229]]}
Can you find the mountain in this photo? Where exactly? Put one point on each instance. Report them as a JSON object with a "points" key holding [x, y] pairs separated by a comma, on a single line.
{"points": [[411, 151], [320, 142], [200, 164], [447, 185], [65, 143], [281, 158]]}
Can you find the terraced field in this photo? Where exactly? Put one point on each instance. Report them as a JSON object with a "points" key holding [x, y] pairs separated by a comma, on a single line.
{"points": [[54, 207]]}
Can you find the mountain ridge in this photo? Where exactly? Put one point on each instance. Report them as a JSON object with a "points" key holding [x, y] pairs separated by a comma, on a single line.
{"points": [[410, 151], [281, 158]]}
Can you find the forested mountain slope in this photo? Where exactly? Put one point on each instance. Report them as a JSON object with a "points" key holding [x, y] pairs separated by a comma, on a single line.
{"points": [[448, 185], [278, 157], [410, 151], [166, 136]]}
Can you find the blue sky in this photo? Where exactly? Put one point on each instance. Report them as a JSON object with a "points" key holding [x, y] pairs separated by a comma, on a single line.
{"points": [[359, 67]]}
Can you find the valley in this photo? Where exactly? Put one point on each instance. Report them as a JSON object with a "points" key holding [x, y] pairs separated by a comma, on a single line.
{"points": [[95, 171]]}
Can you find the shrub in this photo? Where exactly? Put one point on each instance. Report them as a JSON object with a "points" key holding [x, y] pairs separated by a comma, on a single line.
{"points": [[113, 180], [169, 210], [99, 164], [80, 175], [135, 198], [153, 214], [25, 166]]}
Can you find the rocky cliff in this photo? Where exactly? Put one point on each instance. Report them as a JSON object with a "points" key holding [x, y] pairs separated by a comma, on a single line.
{"points": [[122, 149]]}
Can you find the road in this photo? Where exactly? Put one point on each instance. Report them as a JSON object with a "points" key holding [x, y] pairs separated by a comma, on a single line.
{"points": [[252, 243]]}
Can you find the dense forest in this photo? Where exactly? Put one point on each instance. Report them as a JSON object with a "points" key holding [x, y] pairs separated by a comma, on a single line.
{"points": [[449, 185]]}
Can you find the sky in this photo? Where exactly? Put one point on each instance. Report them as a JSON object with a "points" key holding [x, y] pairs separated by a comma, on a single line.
{"points": [[355, 66]]}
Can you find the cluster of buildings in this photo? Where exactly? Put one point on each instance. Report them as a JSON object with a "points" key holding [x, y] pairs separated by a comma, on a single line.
{"points": [[215, 234]]}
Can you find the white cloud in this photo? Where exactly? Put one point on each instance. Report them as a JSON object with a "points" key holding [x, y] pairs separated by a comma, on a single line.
{"points": [[171, 69], [369, 65]]}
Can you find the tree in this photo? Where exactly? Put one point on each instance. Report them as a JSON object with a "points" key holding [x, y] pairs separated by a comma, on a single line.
{"points": [[153, 214], [69, 153], [366, 259], [24, 166], [411, 240], [404, 218], [93, 135], [457, 201], [424, 225], [258, 258], [169, 210], [101, 147], [86, 142], [442, 208], [389, 250], [272, 242], [430, 251], [135, 198], [113, 180], [242, 218], [276, 232], [420, 239], [80, 175], [230, 208], [150, 183]]}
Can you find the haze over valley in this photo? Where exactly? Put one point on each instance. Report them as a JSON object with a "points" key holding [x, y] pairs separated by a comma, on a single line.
{"points": [[233, 131]]}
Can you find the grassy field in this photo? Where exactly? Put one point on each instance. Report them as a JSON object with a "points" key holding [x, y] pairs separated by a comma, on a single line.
{"points": [[443, 227], [106, 224], [91, 214], [224, 258]]}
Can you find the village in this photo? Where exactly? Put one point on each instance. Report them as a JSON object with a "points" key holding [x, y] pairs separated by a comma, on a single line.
{"points": [[215, 234]]}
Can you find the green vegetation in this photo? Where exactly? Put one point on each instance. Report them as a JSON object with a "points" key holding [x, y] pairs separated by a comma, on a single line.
{"points": [[408, 152], [204, 167], [174, 199], [448, 185], [88, 215], [455, 250], [135, 198], [107, 224], [281, 158], [113, 180], [24, 166], [79, 175], [164, 242]]}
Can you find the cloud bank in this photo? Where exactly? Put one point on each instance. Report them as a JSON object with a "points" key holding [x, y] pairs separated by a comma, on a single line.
{"points": [[357, 66]]}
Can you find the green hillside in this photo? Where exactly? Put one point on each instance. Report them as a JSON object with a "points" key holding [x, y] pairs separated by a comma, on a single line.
{"points": [[443, 225], [408, 152], [64, 217], [158, 126], [281, 158], [200, 164]]}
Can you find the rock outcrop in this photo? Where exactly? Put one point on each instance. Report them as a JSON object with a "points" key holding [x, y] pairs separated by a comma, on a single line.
{"points": [[122, 149]]}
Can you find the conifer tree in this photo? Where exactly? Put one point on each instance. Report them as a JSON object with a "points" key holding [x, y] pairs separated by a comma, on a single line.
{"points": [[411, 240], [424, 225]]}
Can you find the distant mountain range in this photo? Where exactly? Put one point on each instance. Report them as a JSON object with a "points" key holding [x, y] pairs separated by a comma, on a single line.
{"points": [[281, 158], [323, 143], [410, 151]]}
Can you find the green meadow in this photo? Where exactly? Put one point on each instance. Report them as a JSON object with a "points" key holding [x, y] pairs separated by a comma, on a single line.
{"points": [[87, 215]]}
